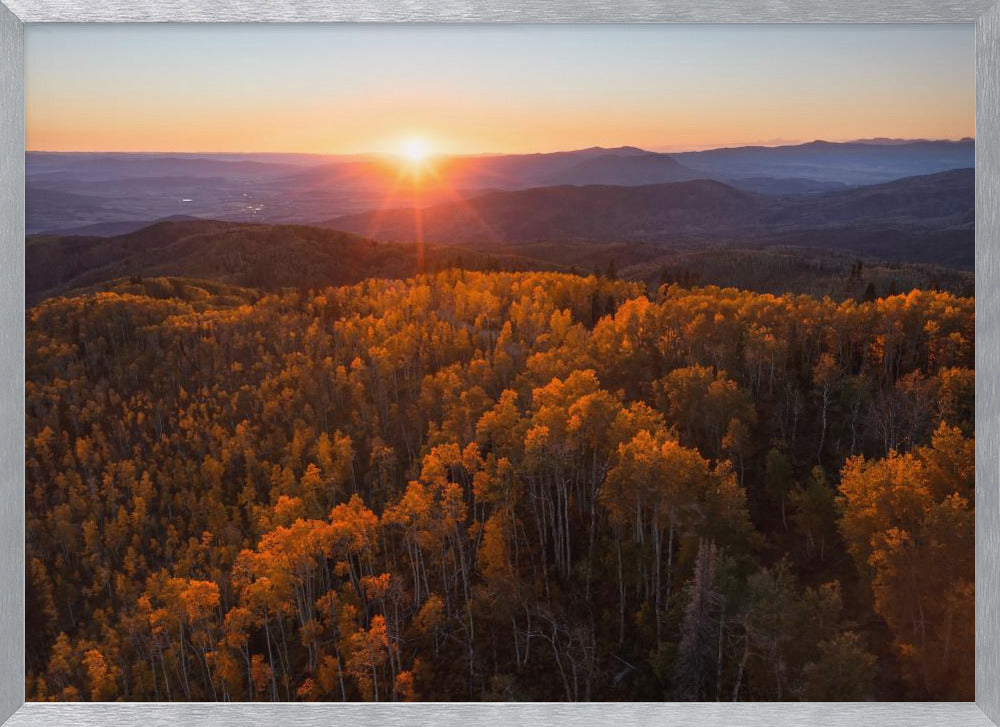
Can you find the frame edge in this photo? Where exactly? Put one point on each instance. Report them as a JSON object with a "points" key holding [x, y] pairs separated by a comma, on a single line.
{"points": [[12, 546], [504, 11], [987, 240]]}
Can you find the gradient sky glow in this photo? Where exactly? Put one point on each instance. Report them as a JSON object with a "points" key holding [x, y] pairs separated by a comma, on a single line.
{"points": [[473, 89]]}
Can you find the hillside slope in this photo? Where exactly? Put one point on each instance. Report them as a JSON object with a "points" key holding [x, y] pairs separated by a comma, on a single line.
{"points": [[851, 162], [655, 212], [594, 212], [256, 256]]}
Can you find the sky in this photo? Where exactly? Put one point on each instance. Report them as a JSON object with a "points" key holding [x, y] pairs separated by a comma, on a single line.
{"points": [[468, 89]]}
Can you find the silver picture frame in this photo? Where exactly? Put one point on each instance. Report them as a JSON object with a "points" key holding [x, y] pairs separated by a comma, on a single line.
{"points": [[985, 14]]}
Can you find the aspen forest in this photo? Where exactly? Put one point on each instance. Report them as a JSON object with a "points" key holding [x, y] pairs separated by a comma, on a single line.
{"points": [[476, 485]]}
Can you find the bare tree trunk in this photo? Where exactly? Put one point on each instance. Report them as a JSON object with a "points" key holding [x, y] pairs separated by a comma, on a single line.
{"points": [[621, 592], [743, 663], [657, 567], [270, 656], [670, 555], [822, 428], [718, 658]]}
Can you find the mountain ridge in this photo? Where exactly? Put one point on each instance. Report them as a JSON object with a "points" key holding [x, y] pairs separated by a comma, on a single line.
{"points": [[646, 212], [74, 190]]}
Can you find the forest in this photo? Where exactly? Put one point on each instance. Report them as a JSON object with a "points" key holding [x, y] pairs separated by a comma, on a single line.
{"points": [[498, 486]]}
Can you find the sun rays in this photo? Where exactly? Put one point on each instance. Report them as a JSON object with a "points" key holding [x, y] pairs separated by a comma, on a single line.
{"points": [[415, 150]]}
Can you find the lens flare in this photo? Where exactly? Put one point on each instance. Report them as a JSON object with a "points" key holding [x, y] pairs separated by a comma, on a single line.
{"points": [[415, 150]]}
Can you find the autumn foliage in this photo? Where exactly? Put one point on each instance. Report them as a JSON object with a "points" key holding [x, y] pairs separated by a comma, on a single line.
{"points": [[499, 486]]}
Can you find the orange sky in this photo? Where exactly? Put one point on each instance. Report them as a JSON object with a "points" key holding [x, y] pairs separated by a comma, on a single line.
{"points": [[473, 89]]}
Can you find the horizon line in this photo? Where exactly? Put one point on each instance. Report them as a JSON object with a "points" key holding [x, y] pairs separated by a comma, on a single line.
{"points": [[658, 149]]}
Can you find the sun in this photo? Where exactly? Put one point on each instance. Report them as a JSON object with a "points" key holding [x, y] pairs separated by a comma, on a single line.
{"points": [[415, 150]]}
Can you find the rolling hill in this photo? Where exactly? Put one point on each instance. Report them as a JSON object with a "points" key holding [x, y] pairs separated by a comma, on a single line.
{"points": [[658, 212], [925, 219], [859, 162], [942, 200], [596, 212], [194, 259], [624, 169], [256, 256], [69, 191]]}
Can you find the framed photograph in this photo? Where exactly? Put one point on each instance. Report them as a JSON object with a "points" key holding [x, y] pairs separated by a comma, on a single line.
{"points": [[536, 362]]}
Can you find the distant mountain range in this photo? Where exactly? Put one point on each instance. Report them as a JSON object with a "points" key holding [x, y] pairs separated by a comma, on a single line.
{"points": [[852, 163], [924, 219], [660, 211], [757, 217], [68, 192], [624, 169], [593, 212]]}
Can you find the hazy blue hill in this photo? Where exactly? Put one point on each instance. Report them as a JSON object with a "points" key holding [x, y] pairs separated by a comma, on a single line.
{"points": [[596, 212], [517, 171], [660, 211], [47, 208], [942, 200], [850, 163], [624, 169], [69, 191], [501, 171], [103, 166], [113, 229], [785, 185]]}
